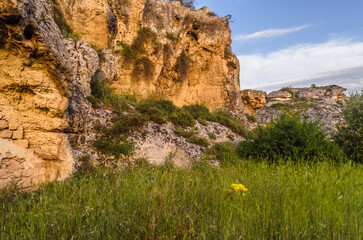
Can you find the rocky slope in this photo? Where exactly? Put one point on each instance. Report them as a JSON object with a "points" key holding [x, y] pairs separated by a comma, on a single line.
{"points": [[50, 52], [314, 103]]}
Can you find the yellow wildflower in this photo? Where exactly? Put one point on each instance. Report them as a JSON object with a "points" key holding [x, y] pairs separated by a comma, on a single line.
{"points": [[238, 188]]}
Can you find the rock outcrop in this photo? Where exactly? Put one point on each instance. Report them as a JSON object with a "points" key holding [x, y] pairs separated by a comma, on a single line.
{"points": [[150, 47], [314, 103], [162, 48], [253, 100]]}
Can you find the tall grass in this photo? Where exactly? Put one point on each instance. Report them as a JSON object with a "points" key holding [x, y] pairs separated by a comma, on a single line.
{"points": [[284, 201]]}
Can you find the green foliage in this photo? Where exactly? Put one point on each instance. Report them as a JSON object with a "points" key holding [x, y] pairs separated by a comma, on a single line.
{"points": [[114, 141], [102, 93], [116, 146], [234, 124], [350, 134], [158, 111], [225, 152], [181, 132], [319, 201], [137, 54], [182, 118], [251, 117], [199, 111], [198, 141], [211, 135], [63, 26], [171, 36], [290, 138]]}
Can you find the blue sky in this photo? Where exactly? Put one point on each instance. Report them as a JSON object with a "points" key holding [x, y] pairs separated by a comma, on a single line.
{"points": [[296, 42]]}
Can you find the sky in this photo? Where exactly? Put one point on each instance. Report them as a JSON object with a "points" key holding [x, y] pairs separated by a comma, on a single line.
{"points": [[295, 43]]}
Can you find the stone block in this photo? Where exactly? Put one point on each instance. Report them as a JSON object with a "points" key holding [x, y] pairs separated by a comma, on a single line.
{"points": [[13, 126], [18, 134], [22, 143], [6, 134], [3, 124]]}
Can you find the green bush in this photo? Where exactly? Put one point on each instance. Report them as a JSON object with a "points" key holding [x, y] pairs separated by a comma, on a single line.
{"points": [[182, 118], [225, 152], [157, 111], [199, 111], [251, 118], [181, 132], [211, 135], [234, 124], [289, 138], [114, 141], [198, 141], [116, 146], [350, 134]]}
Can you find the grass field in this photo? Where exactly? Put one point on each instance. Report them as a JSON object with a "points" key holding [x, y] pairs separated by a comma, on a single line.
{"points": [[283, 201]]}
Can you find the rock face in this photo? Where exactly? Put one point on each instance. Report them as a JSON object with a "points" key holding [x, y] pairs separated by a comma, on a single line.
{"points": [[315, 103], [150, 47], [162, 48], [35, 82], [253, 99]]}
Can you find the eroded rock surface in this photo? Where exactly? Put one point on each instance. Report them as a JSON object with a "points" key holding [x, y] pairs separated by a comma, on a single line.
{"points": [[314, 103], [185, 57], [253, 99], [45, 74]]}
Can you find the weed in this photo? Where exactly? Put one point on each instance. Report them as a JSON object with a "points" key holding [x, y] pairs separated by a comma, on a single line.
{"points": [[63, 26], [251, 117], [211, 135], [198, 141], [181, 132], [171, 36]]}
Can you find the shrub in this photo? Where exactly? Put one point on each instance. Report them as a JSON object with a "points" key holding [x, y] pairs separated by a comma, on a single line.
{"points": [[291, 138], [350, 134], [117, 146], [212, 135], [234, 124], [182, 118], [114, 140], [225, 152], [157, 111], [251, 117], [199, 111], [171, 36], [181, 132], [63, 26], [198, 141]]}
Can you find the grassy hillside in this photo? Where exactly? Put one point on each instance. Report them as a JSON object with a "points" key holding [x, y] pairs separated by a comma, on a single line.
{"points": [[284, 201]]}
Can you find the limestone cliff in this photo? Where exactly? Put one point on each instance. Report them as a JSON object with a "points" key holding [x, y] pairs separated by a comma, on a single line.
{"points": [[149, 47], [162, 48], [314, 103]]}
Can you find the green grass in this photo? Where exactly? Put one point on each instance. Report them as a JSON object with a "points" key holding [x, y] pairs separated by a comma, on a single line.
{"points": [[321, 201]]}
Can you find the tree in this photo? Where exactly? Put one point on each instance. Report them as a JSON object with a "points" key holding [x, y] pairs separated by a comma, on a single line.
{"points": [[350, 134]]}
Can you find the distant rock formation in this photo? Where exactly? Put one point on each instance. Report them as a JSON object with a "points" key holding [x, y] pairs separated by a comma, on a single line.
{"points": [[314, 103]]}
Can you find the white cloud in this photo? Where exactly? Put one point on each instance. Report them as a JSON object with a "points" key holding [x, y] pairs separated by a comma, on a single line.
{"points": [[337, 60], [268, 33]]}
